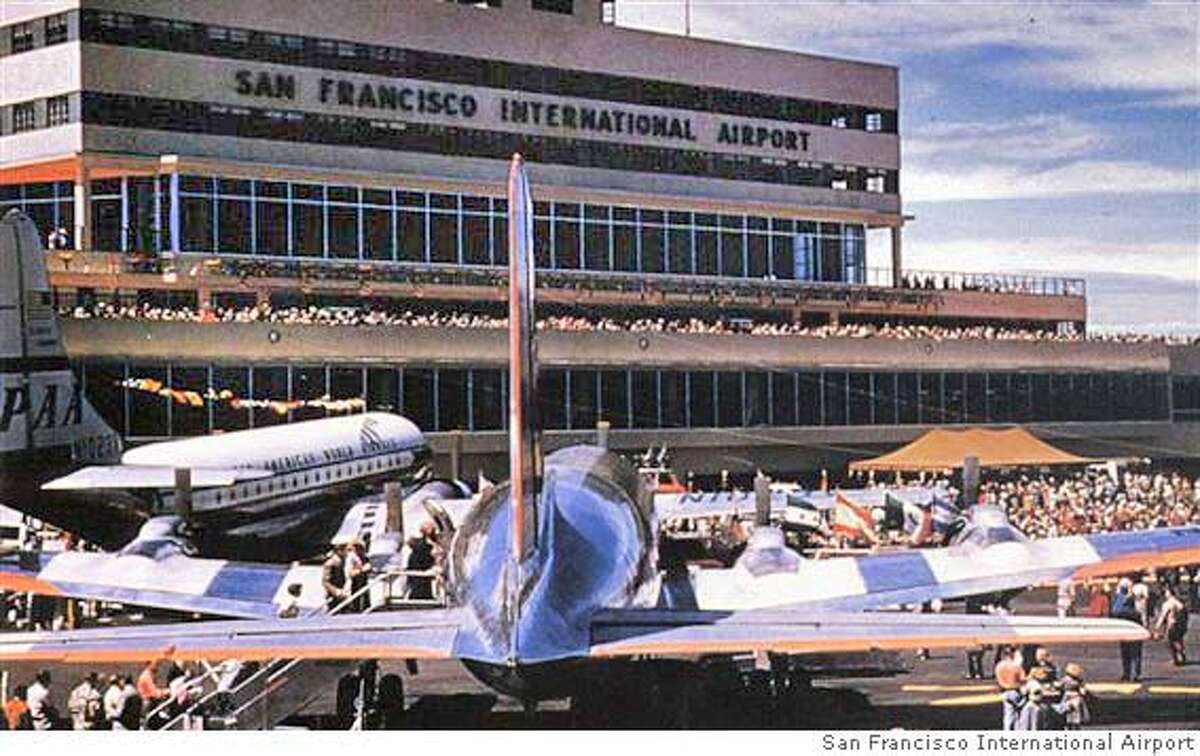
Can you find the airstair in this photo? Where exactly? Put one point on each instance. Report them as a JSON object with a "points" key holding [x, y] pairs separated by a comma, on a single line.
{"points": [[262, 698]]}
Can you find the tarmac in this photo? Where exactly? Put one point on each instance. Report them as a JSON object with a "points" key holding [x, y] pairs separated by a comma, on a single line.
{"points": [[931, 694]]}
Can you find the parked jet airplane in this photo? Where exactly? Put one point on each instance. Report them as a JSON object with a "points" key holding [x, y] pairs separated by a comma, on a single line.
{"points": [[555, 575], [274, 493]]}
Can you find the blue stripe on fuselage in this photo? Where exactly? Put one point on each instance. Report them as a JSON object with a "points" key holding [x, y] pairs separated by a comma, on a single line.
{"points": [[246, 583], [892, 572]]}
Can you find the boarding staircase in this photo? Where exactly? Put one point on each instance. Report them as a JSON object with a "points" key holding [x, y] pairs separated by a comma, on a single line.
{"points": [[282, 687]]}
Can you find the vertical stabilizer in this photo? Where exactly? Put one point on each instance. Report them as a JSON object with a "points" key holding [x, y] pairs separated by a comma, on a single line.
{"points": [[524, 444], [42, 407]]}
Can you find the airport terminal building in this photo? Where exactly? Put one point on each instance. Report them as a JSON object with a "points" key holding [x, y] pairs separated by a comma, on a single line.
{"points": [[226, 153]]}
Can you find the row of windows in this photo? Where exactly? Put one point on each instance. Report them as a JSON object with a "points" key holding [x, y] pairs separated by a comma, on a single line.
{"points": [[294, 126], [21, 37], [267, 218], [1185, 398], [442, 399], [348, 222], [179, 36], [26, 115]]}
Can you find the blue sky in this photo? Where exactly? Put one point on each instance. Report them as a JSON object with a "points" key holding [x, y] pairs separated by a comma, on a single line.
{"points": [[1036, 137]]}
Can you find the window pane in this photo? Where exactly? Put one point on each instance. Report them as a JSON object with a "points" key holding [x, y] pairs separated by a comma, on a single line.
{"points": [[308, 382], [681, 250], [614, 398], [346, 383], [234, 229], [756, 399], [377, 230], [444, 238], [644, 395], [566, 241], [383, 390], [270, 383], [860, 399], [1021, 388], [835, 398], [929, 400], [452, 399], [653, 249], [733, 247], [954, 397], [783, 399], [343, 231], [308, 230], [909, 399], [999, 400], [596, 243], [197, 223], [147, 411], [757, 255], [476, 240], [583, 399], [186, 418], [706, 252], [105, 393], [701, 388], [487, 398], [624, 247], [500, 240], [884, 392], [809, 409], [412, 236], [236, 380], [782, 258], [271, 228], [976, 398], [419, 404], [674, 399], [552, 398]]}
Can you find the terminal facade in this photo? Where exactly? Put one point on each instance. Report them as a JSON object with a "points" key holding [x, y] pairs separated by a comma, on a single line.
{"points": [[230, 153]]}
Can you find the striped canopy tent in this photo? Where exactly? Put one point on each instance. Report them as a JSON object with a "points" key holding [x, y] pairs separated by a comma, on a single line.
{"points": [[941, 449]]}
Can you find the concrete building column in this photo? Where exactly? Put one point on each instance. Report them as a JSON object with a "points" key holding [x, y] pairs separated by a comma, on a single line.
{"points": [[82, 232], [897, 263]]}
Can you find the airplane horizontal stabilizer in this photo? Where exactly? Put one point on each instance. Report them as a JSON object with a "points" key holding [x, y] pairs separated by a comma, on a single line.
{"points": [[685, 633], [426, 634], [147, 476], [175, 582]]}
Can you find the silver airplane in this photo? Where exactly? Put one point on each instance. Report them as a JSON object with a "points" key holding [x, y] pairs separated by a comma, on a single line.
{"points": [[556, 588]]}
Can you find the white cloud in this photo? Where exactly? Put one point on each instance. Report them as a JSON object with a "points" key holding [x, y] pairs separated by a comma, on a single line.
{"points": [[1060, 255], [991, 181], [1031, 138], [1127, 46]]}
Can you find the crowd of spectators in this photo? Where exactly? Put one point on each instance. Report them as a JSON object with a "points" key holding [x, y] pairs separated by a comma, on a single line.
{"points": [[1091, 501], [365, 316]]}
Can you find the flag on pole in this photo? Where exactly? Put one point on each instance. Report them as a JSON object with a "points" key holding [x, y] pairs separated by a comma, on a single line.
{"points": [[852, 520]]}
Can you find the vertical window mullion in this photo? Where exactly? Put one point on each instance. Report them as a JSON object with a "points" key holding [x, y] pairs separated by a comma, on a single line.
{"points": [[361, 211], [628, 398], [395, 233], [291, 244], [124, 213], [612, 238], [324, 221], [254, 218], [428, 212], [470, 399]]}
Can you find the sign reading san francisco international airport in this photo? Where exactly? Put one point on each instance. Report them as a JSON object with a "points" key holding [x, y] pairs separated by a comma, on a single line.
{"points": [[551, 116]]}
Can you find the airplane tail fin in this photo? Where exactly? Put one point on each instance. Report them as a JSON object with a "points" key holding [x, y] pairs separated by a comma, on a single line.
{"points": [[524, 443], [43, 409]]}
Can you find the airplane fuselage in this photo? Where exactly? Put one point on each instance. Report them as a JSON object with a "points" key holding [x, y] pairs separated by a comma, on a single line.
{"points": [[594, 550]]}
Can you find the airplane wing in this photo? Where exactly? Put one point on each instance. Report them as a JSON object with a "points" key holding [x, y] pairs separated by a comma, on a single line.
{"points": [[915, 576], [426, 634], [149, 476], [657, 632], [176, 582]]}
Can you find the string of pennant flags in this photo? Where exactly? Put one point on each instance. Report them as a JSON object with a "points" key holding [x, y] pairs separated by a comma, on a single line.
{"points": [[190, 398]]}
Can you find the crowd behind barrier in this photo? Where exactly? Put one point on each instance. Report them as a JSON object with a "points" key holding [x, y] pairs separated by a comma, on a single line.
{"points": [[364, 316]]}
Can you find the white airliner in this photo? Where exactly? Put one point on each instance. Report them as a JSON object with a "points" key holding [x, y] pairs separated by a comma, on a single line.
{"points": [[268, 492]]}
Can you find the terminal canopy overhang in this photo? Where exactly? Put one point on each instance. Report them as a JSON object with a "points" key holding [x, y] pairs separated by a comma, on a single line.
{"points": [[945, 450]]}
